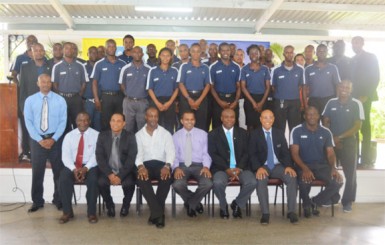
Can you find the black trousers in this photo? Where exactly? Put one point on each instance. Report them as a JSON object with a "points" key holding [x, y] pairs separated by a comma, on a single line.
{"points": [[157, 200], [39, 157], [110, 104], [66, 187], [287, 110], [347, 156], [25, 135], [366, 157], [331, 191], [166, 118], [128, 186], [319, 103], [74, 106], [217, 110], [200, 114]]}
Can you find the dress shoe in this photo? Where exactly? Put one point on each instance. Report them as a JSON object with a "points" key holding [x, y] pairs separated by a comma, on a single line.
{"points": [[58, 204], [65, 218], [111, 211], [314, 210], [160, 222], [199, 208], [124, 211], [152, 221], [265, 219], [191, 213], [35, 207], [237, 213], [92, 219], [224, 213], [293, 217]]}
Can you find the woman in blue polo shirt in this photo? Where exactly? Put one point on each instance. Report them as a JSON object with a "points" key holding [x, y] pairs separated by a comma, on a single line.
{"points": [[255, 84], [163, 90]]}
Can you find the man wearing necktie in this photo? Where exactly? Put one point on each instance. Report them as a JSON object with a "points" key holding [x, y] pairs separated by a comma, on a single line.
{"points": [[115, 154], [192, 160], [45, 114], [270, 158], [230, 162], [80, 166]]}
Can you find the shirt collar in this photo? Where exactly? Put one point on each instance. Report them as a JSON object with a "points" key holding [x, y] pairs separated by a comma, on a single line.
{"points": [[49, 95], [265, 131], [228, 130]]}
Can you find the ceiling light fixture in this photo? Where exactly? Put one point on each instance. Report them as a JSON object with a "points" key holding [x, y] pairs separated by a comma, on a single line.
{"points": [[163, 9]]}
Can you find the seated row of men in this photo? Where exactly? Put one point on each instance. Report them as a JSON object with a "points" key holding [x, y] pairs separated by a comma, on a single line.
{"points": [[227, 153]]}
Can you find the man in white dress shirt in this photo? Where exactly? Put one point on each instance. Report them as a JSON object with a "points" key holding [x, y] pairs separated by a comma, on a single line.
{"points": [[78, 156], [156, 152]]}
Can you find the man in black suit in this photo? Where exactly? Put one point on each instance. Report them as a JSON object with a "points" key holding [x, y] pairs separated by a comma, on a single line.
{"points": [[270, 158], [115, 154], [229, 152]]}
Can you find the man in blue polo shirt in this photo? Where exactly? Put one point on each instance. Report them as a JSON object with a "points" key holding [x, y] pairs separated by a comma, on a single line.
{"points": [[286, 81], [311, 147], [194, 85], [105, 77], [133, 80], [45, 115], [171, 45], [88, 96], [225, 80], [69, 77], [152, 61], [321, 80], [344, 116], [15, 71], [128, 43]]}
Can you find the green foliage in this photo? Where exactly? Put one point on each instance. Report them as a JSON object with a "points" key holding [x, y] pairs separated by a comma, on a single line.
{"points": [[278, 52], [377, 115]]}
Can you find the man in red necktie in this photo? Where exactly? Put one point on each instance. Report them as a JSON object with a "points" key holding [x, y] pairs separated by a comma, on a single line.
{"points": [[78, 155]]}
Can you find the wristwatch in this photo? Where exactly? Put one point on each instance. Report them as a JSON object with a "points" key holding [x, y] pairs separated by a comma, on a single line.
{"points": [[167, 165]]}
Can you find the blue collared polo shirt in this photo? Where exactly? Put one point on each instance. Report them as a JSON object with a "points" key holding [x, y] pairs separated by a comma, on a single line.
{"points": [[107, 74], [135, 80], [225, 77], [69, 76], [255, 80], [322, 82], [287, 82], [192, 77], [163, 83]]}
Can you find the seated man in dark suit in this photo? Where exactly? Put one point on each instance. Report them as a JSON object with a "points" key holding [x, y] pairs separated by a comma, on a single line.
{"points": [[230, 162], [78, 156], [270, 158], [115, 154], [311, 147]]}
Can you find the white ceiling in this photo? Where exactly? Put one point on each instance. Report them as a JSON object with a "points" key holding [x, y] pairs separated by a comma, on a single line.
{"points": [[291, 17]]}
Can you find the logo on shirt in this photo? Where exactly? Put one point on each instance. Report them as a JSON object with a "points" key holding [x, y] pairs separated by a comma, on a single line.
{"points": [[219, 71], [247, 75], [232, 71], [328, 72], [63, 73], [281, 77], [296, 75], [104, 69], [321, 137], [347, 110], [129, 74], [156, 79], [311, 73], [303, 136], [333, 109]]}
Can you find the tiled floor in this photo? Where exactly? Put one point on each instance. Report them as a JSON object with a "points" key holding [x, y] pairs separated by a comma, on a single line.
{"points": [[365, 225]]}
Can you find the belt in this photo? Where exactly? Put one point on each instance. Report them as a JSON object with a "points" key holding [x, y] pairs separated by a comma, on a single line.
{"points": [[182, 164], [195, 91], [47, 136], [226, 95], [91, 100], [110, 92], [68, 95], [135, 99]]}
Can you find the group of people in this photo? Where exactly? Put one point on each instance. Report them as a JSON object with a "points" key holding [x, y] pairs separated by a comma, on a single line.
{"points": [[154, 121]]}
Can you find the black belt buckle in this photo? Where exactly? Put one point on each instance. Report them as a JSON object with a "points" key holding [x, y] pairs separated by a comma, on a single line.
{"points": [[135, 99], [47, 136]]}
